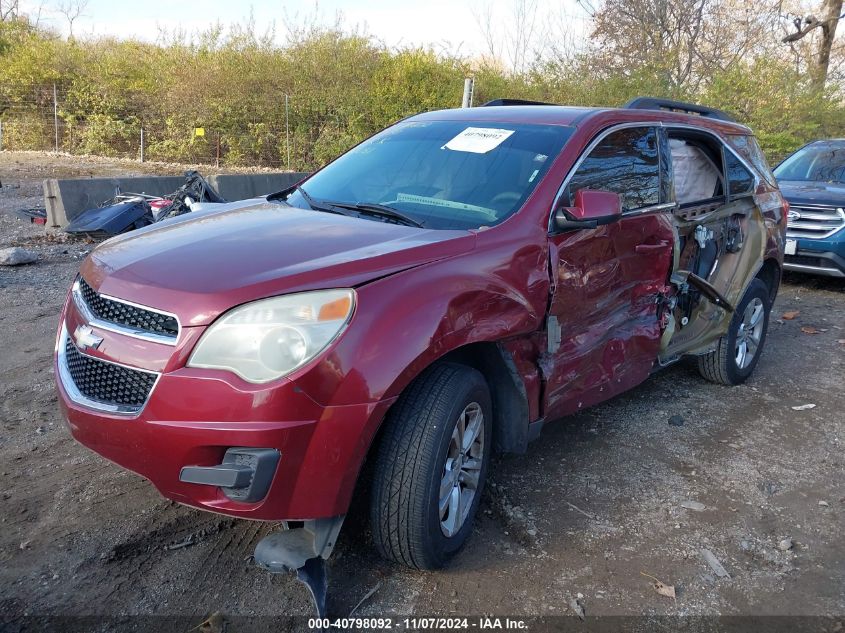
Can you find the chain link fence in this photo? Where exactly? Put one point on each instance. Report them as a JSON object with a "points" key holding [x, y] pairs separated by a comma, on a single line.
{"points": [[298, 138]]}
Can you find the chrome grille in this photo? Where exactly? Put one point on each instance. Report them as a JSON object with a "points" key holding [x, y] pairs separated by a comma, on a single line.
{"points": [[102, 384], [125, 317], [814, 221]]}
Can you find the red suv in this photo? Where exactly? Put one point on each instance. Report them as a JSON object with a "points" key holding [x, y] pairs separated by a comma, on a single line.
{"points": [[440, 291]]}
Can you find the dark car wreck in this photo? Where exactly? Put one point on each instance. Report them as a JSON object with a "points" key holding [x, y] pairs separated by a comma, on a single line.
{"points": [[441, 291]]}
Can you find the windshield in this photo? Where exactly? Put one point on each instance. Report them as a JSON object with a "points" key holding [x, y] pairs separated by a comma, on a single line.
{"points": [[440, 174], [822, 162]]}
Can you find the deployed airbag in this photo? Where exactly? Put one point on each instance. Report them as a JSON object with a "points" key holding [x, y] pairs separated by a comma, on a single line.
{"points": [[696, 177]]}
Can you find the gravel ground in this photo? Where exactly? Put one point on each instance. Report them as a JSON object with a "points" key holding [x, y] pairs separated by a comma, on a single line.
{"points": [[574, 524]]}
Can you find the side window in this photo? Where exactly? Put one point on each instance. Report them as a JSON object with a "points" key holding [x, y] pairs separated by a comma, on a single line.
{"points": [[740, 180], [624, 162], [750, 150]]}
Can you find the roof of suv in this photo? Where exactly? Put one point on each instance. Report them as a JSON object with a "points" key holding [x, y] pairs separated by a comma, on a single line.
{"points": [[575, 116]]}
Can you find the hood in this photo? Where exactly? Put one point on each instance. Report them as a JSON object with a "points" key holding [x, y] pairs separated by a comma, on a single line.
{"points": [[800, 192], [201, 264]]}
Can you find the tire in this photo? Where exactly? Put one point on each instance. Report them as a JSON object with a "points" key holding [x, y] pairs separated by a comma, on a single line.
{"points": [[725, 365], [411, 467]]}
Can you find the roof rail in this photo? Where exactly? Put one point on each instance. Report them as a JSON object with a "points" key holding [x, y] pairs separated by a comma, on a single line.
{"points": [[513, 102], [653, 103]]}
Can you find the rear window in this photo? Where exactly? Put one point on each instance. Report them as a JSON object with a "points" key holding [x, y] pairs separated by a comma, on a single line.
{"points": [[750, 150]]}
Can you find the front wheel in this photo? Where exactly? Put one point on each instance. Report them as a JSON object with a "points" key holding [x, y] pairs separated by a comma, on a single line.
{"points": [[738, 351], [430, 466]]}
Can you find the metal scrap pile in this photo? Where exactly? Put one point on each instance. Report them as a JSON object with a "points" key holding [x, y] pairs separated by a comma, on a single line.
{"points": [[129, 211]]}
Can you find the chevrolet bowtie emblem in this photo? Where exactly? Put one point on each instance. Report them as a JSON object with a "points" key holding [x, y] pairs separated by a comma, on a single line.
{"points": [[85, 338]]}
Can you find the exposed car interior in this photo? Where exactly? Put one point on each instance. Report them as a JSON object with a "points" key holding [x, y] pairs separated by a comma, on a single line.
{"points": [[709, 183], [696, 176]]}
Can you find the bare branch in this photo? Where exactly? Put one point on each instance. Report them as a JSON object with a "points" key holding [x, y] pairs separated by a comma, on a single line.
{"points": [[483, 14], [9, 10], [72, 10], [810, 23], [523, 20]]}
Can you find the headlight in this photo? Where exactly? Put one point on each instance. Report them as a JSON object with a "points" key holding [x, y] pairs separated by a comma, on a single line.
{"points": [[268, 339]]}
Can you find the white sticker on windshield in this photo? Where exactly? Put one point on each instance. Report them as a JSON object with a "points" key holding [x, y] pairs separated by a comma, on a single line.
{"points": [[478, 140]]}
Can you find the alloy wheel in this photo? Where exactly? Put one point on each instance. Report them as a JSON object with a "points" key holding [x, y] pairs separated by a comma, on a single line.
{"points": [[461, 472], [750, 333]]}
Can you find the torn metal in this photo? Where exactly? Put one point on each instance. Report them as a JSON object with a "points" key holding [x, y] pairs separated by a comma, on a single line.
{"points": [[130, 211]]}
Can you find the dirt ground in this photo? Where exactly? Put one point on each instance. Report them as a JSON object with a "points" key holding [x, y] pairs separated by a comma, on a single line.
{"points": [[574, 523]]}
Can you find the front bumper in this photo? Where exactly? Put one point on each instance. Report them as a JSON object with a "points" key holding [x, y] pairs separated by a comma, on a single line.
{"points": [[193, 416], [819, 257], [318, 463]]}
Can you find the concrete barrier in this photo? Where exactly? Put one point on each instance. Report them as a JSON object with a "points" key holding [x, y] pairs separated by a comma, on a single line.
{"points": [[242, 186], [66, 199]]}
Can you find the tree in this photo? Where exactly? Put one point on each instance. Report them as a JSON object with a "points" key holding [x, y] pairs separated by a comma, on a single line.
{"points": [[9, 10], [819, 65], [517, 40], [682, 42], [72, 10]]}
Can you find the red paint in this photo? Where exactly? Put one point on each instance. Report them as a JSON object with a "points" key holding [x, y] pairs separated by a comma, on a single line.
{"points": [[420, 295], [595, 205]]}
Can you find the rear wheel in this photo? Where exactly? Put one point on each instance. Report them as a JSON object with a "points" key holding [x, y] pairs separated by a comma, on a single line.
{"points": [[430, 466], [738, 351]]}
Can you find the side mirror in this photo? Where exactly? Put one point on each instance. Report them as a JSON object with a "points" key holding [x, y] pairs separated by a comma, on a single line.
{"points": [[592, 208]]}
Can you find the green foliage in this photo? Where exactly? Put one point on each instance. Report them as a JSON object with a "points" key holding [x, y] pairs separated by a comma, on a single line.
{"points": [[779, 104], [414, 80], [104, 135], [342, 87]]}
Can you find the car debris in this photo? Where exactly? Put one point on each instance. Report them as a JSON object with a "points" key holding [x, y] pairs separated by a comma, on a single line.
{"points": [[129, 211], [36, 215], [804, 407], [696, 506]]}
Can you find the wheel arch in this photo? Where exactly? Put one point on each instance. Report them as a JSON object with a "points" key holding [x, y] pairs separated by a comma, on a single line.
{"points": [[770, 274], [509, 396], [511, 412]]}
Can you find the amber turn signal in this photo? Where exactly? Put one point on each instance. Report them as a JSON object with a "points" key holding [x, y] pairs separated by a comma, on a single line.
{"points": [[335, 310]]}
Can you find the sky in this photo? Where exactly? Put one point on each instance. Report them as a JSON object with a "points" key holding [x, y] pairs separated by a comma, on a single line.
{"points": [[444, 24]]}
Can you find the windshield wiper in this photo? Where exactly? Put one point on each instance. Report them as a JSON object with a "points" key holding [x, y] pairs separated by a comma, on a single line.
{"points": [[378, 210], [320, 206], [358, 208]]}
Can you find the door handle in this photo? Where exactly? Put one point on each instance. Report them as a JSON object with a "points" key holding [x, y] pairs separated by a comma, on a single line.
{"points": [[648, 248]]}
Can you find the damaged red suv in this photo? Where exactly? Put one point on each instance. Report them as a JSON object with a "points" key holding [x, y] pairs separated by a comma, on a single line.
{"points": [[439, 292]]}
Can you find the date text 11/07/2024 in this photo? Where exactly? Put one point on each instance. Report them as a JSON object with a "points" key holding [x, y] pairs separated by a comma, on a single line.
{"points": [[419, 624]]}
